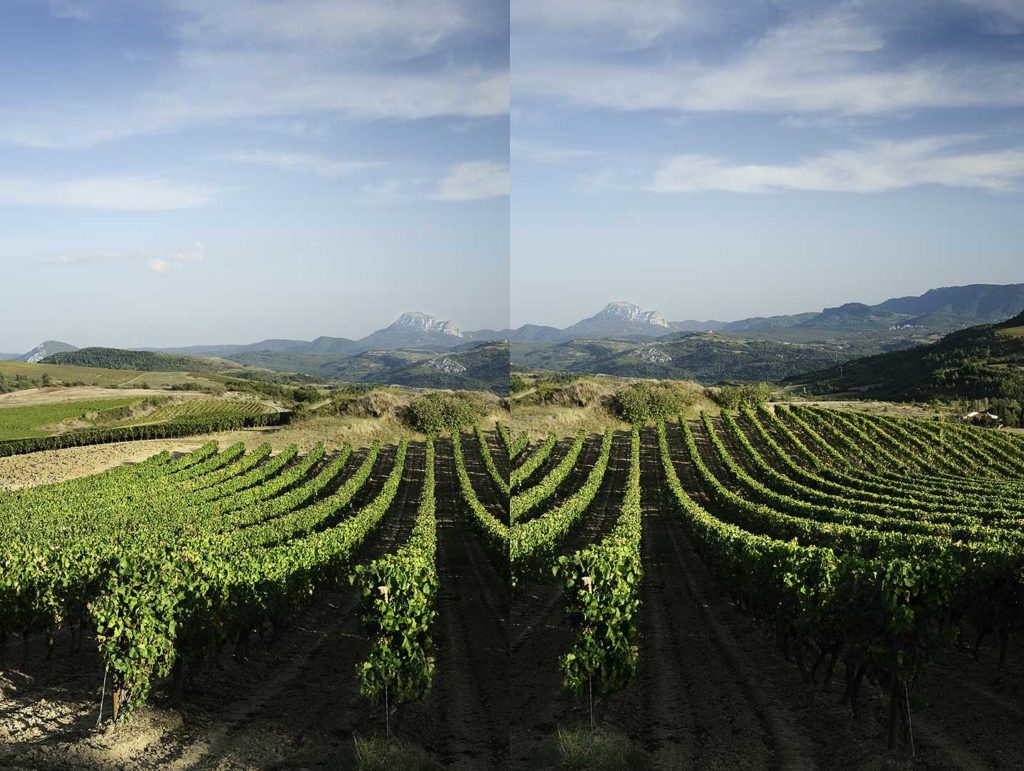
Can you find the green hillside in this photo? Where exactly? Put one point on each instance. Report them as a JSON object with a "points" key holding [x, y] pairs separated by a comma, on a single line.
{"points": [[983, 363], [705, 357], [145, 361], [476, 366]]}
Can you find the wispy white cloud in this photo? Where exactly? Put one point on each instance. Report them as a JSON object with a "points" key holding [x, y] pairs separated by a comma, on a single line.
{"points": [[407, 28], [840, 59], [542, 152], [474, 181], [873, 168], [125, 193], [71, 9], [157, 263], [89, 258], [637, 21], [178, 259], [195, 253], [390, 190], [239, 60], [302, 162]]}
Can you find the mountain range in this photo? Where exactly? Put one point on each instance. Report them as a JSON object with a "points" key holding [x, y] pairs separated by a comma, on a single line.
{"points": [[622, 339], [896, 322], [413, 330]]}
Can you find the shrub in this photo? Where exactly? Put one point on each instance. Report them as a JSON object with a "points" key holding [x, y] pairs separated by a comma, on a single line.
{"points": [[306, 394], [732, 397], [438, 412], [639, 403]]}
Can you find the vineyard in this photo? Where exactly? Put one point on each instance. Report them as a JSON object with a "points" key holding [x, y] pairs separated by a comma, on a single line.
{"points": [[793, 587], [739, 586], [203, 410], [176, 419], [150, 579], [31, 421]]}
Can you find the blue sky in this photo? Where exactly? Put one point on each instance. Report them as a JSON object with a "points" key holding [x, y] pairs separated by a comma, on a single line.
{"points": [[208, 171], [740, 158]]}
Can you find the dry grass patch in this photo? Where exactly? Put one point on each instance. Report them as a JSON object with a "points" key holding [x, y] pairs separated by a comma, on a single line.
{"points": [[599, 750]]}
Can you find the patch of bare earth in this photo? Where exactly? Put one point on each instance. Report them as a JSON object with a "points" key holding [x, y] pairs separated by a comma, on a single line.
{"points": [[42, 468], [50, 395]]}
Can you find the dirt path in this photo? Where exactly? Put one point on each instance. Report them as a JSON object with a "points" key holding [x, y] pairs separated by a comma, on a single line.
{"points": [[486, 490], [954, 703], [498, 453], [573, 480], [703, 708], [305, 716], [463, 721], [541, 633], [559, 451], [41, 468]]}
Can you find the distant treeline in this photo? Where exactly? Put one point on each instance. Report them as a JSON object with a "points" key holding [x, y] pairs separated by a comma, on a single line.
{"points": [[117, 358]]}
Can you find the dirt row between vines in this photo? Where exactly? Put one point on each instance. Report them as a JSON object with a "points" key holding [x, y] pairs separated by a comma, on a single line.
{"points": [[484, 486], [558, 452], [540, 631]]}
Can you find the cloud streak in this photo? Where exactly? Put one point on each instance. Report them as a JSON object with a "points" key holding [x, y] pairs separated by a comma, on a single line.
{"points": [[121, 193], [875, 168], [844, 58], [474, 181], [302, 162], [542, 152], [258, 59], [160, 264]]}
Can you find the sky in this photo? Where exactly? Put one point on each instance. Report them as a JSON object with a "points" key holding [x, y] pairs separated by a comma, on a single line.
{"points": [[181, 172], [721, 160]]}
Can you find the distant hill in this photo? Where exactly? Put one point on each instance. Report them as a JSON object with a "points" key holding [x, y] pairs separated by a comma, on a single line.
{"points": [[411, 330], [474, 365], [144, 361], [705, 357], [416, 350], [43, 350], [982, 362]]}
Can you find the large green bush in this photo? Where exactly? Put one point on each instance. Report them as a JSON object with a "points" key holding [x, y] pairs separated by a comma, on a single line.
{"points": [[436, 413], [732, 397], [640, 403]]}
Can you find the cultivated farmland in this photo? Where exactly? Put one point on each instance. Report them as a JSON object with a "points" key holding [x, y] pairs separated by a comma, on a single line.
{"points": [[314, 589], [795, 588], [788, 587]]}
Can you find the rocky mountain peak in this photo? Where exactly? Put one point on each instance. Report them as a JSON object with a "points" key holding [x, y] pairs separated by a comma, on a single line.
{"points": [[631, 312], [422, 322], [44, 349]]}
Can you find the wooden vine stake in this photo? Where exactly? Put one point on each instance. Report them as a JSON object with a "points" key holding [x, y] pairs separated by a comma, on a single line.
{"points": [[588, 584]]}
